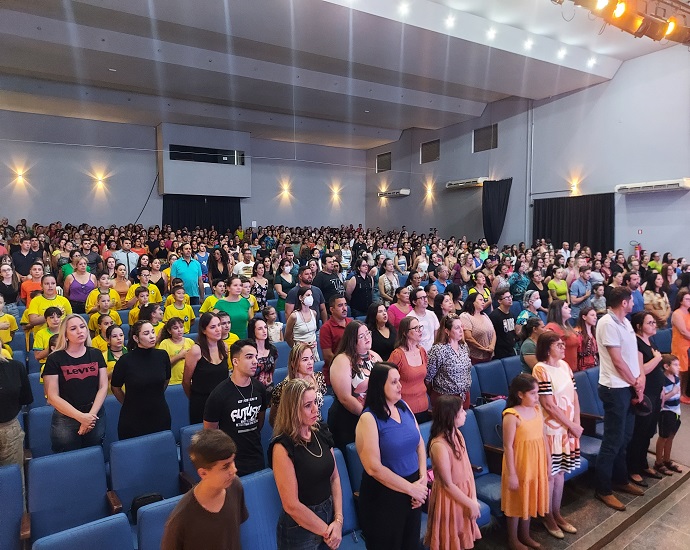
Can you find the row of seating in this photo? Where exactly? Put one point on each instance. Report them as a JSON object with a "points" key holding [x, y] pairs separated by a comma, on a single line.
{"points": [[482, 432]]}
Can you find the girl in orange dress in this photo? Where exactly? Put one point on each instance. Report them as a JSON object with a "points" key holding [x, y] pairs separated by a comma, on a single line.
{"points": [[453, 506], [524, 483]]}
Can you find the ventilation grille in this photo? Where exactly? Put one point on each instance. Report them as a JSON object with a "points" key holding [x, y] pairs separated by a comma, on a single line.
{"points": [[430, 151], [206, 154], [383, 162], [485, 138]]}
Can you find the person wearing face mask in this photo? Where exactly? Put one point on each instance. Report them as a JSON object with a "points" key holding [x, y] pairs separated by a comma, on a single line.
{"points": [[145, 373], [532, 305], [301, 325], [284, 282]]}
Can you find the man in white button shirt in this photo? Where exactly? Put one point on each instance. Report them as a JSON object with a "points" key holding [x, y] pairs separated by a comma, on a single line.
{"points": [[620, 379]]}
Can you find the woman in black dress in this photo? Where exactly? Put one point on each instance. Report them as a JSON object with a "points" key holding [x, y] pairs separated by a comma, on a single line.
{"points": [[382, 332], [145, 373], [205, 366]]}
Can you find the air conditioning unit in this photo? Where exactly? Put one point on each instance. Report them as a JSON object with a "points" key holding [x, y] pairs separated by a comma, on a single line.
{"points": [[680, 184], [394, 193], [465, 184]]}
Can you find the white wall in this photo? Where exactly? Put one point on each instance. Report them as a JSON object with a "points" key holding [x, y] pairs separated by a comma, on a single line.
{"points": [[634, 128], [310, 173], [61, 157], [456, 212]]}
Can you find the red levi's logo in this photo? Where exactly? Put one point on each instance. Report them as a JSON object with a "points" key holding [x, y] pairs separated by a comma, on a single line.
{"points": [[80, 371]]}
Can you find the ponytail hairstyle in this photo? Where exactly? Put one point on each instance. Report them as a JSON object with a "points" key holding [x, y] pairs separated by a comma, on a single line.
{"points": [[522, 383]]}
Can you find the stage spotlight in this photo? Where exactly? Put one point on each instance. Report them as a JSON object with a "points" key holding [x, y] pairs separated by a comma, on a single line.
{"points": [[653, 27]]}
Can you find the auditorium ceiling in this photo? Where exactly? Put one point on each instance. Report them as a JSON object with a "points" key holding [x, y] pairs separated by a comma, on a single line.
{"points": [[346, 73]]}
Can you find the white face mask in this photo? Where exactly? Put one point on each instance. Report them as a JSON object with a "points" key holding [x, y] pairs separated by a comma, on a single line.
{"points": [[287, 269], [309, 301], [537, 303]]}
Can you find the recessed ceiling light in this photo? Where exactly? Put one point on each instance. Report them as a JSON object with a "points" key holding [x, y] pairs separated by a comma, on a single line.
{"points": [[529, 43], [591, 62], [112, 70], [562, 53], [404, 9], [366, 111], [491, 33], [450, 22]]}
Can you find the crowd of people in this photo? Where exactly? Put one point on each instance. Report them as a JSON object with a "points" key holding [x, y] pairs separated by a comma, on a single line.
{"points": [[398, 318]]}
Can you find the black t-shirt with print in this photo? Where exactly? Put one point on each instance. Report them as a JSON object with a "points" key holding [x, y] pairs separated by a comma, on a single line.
{"points": [[237, 409], [77, 376]]}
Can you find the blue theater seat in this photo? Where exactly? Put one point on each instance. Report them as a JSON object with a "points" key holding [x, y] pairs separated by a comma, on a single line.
{"points": [[151, 521], [110, 533], [662, 339], [186, 434], [12, 509], [263, 502], [178, 403], [146, 464], [512, 367], [66, 490], [492, 377], [37, 390], [283, 354], [38, 431]]}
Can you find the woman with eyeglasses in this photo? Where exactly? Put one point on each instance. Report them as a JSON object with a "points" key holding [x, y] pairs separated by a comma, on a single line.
{"points": [[411, 360], [645, 325], [420, 301], [349, 376], [562, 429]]}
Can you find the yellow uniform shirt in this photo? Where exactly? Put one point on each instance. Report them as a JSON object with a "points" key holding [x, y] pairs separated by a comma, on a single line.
{"points": [[41, 342], [133, 316], [170, 300], [98, 343], [172, 349], [209, 304], [154, 294], [186, 314], [93, 320], [39, 305], [92, 299], [6, 333], [229, 341], [110, 365], [254, 305]]}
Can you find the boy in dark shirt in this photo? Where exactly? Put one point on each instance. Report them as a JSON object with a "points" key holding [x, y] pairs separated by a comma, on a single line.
{"points": [[209, 516]]}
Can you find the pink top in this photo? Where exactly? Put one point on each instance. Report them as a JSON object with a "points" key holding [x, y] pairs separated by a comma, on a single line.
{"points": [[395, 315], [412, 380]]}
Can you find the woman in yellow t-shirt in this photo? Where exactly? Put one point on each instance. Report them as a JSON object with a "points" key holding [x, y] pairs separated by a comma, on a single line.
{"points": [[558, 288]]}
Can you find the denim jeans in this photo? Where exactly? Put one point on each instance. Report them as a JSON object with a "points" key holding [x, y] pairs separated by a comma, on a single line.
{"points": [[13, 310], [64, 434], [291, 536], [619, 421]]}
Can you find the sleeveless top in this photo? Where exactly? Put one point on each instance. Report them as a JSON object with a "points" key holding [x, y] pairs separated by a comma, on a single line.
{"points": [[360, 380], [398, 441], [207, 376], [122, 290], [304, 331], [78, 292], [260, 292], [402, 263], [362, 294], [160, 284]]}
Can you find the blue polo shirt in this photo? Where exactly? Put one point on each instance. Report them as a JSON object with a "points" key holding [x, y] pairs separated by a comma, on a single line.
{"points": [[189, 273], [578, 289]]}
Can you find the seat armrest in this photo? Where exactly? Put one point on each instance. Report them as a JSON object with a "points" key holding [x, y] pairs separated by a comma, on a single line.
{"points": [[494, 458], [25, 527], [28, 455], [114, 502]]}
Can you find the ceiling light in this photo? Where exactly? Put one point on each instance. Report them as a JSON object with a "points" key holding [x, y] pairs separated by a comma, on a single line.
{"points": [[671, 25], [404, 9], [591, 62], [619, 10], [601, 4], [112, 70], [450, 22], [529, 43], [491, 33], [562, 53]]}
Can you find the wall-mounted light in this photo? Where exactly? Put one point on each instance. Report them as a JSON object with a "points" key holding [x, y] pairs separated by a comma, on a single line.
{"points": [[20, 176]]}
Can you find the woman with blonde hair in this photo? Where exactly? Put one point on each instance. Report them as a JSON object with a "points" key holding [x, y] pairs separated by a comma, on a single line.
{"points": [[79, 419], [300, 365], [303, 463]]}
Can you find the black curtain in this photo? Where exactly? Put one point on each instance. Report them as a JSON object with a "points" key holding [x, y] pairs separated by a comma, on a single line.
{"points": [[495, 195], [194, 210], [587, 219]]}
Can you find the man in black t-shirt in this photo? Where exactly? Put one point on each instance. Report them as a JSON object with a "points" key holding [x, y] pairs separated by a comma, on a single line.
{"points": [[327, 280], [504, 325], [238, 407]]}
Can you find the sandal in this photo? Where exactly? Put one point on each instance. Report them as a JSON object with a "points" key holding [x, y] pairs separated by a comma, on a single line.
{"points": [[662, 469], [672, 466], [650, 472], [639, 482]]}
